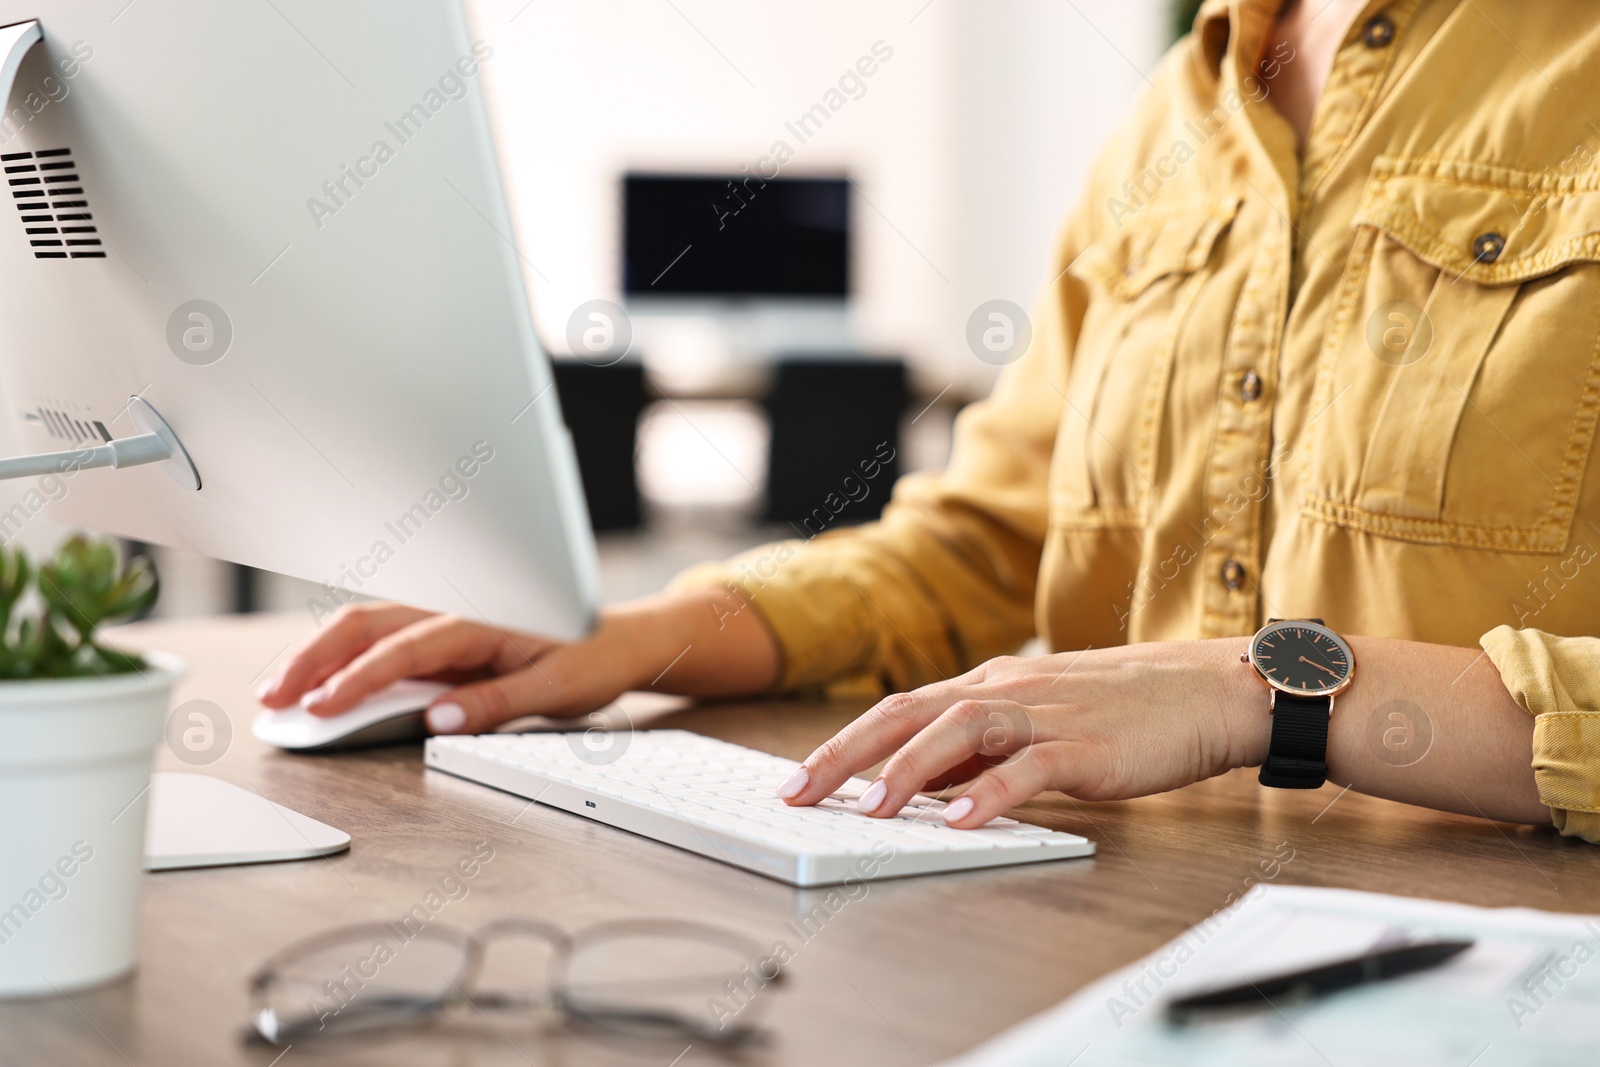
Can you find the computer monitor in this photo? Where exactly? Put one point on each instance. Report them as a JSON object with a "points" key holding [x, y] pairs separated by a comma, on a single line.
{"points": [[281, 227], [755, 267], [735, 236]]}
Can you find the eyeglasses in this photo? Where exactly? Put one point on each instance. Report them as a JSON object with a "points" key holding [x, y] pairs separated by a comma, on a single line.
{"points": [[644, 978]]}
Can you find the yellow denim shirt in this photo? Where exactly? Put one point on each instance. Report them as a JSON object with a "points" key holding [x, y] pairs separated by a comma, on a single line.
{"points": [[1358, 382]]}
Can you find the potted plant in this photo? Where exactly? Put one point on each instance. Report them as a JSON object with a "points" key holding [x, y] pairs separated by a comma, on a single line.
{"points": [[79, 722]]}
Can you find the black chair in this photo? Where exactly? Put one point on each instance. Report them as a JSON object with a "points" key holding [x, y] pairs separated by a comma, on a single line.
{"points": [[835, 446], [601, 406]]}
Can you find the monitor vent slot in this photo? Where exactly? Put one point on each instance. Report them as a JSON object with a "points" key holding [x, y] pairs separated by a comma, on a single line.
{"points": [[58, 423], [48, 192]]}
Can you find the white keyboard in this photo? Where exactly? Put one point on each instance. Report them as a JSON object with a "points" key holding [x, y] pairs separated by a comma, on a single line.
{"points": [[717, 799]]}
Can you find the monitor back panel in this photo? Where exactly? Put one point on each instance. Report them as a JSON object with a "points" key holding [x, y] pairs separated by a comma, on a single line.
{"points": [[288, 234]]}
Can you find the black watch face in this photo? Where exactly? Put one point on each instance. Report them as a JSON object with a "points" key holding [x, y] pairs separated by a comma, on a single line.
{"points": [[1302, 657]]}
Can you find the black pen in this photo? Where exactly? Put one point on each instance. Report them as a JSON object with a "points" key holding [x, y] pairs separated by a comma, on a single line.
{"points": [[1318, 981]]}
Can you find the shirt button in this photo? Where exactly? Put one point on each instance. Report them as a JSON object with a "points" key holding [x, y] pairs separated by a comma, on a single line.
{"points": [[1233, 574], [1487, 247], [1250, 387], [1378, 32]]}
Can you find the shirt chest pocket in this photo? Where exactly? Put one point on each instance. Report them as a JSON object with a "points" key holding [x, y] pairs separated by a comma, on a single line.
{"points": [[1458, 383], [1143, 280]]}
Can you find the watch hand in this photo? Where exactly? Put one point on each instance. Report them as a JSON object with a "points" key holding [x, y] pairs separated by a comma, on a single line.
{"points": [[1319, 666]]}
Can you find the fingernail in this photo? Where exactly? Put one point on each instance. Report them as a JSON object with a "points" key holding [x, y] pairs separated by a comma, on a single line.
{"points": [[317, 696], [265, 689], [958, 809], [872, 799], [446, 718], [795, 784]]}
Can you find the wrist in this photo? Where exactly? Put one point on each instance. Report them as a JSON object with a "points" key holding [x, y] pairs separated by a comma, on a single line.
{"points": [[650, 631], [1247, 706]]}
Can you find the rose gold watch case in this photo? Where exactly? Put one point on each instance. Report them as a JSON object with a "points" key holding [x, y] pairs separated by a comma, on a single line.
{"points": [[1302, 624]]}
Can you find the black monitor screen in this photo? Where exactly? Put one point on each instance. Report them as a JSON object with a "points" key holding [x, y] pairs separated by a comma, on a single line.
{"points": [[716, 235]]}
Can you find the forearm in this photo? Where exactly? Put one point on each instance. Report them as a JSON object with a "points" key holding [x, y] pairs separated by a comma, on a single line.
{"points": [[704, 643], [923, 594], [1430, 725]]}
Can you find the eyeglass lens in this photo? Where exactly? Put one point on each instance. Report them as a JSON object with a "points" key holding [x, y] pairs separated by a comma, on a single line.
{"points": [[370, 980], [645, 980]]}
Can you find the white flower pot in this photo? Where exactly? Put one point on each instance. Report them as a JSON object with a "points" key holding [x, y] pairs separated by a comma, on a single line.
{"points": [[75, 759]]}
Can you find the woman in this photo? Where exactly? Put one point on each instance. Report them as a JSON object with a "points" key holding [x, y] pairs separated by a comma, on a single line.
{"points": [[1322, 344]]}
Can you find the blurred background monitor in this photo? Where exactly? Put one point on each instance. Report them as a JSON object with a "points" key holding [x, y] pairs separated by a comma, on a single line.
{"points": [[735, 236]]}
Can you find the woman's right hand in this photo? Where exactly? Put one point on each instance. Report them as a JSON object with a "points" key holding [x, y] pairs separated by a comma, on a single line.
{"points": [[704, 643]]}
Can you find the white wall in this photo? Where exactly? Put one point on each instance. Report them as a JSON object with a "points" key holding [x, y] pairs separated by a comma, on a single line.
{"points": [[968, 143], [1038, 86]]}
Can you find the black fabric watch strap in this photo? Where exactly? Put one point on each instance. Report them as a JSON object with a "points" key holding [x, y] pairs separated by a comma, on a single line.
{"points": [[1297, 756]]}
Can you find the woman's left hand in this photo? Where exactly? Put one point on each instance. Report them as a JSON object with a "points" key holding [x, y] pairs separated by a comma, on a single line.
{"points": [[1103, 724]]}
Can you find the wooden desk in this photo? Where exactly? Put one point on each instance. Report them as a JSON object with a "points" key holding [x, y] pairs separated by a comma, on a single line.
{"points": [[913, 972]]}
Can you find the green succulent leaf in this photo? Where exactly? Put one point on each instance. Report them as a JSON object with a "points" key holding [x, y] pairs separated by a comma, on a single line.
{"points": [[132, 593], [15, 573], [82, 587]]}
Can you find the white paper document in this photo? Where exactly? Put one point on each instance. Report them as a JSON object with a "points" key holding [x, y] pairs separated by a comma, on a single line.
{"points": [[1527, 994]]}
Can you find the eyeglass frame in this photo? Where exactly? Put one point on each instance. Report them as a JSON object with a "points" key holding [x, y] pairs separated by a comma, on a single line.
{"points": [[474, 948]]}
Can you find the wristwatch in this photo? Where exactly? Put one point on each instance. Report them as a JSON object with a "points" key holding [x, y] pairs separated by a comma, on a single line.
{"points": [[1306, 665]]}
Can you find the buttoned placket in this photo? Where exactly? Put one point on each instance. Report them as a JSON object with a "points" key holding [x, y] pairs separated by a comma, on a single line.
{"points": [[1242, 466]]}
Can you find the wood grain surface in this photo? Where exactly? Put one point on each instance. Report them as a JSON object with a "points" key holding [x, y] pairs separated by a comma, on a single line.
{"points": [[912, 972]]}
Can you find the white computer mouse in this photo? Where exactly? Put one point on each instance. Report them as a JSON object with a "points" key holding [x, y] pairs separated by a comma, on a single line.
{"points": [[387, 717]]}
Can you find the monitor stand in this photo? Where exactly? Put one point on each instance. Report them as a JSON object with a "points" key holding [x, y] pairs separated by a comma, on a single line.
{"points": [[199, 821]]}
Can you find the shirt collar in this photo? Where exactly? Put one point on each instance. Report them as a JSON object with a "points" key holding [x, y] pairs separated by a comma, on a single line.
{"points": [[1217, 26]]}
